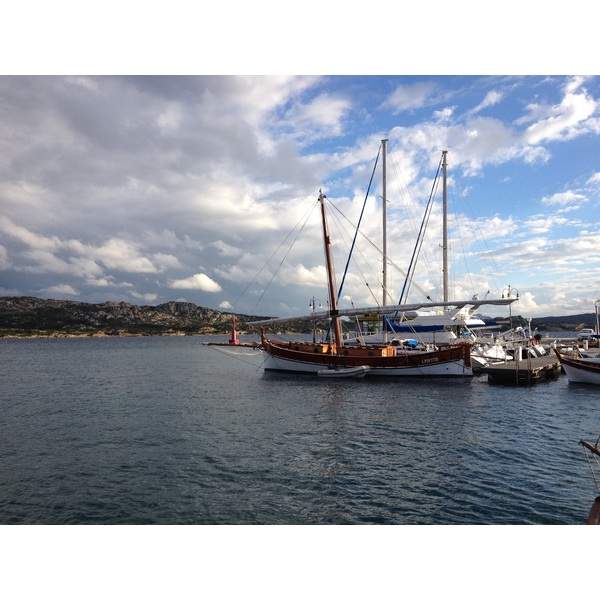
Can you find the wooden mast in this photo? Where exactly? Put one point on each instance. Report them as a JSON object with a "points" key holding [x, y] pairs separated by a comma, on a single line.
{"points": [[333, 306]]}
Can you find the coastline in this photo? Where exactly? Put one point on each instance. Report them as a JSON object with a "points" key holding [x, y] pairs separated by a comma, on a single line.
{"points": [[98, 334]]}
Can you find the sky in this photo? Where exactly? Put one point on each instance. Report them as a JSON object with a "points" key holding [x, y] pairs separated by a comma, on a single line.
{"points": [[188, 180], [202, 188]]}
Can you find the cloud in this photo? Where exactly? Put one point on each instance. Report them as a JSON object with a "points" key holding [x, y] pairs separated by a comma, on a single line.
{"points": [[491, 98], [60, 290], [569, 198], [200, 281], [544, 224], [322, 116], [565, 120], [409, 97], [145, 297], [124, 255], [594, 179], [121, 186], [226, 249]]}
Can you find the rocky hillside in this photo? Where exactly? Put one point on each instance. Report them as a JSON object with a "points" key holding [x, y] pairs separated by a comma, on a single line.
{"points": [[27, 316], [24, 315]]}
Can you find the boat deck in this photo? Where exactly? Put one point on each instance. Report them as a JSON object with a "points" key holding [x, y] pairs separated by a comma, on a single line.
{"points": [[524, 372]]}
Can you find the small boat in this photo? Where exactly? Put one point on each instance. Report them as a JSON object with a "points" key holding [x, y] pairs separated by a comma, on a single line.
{"points": [[347, 372], [580, 370]]}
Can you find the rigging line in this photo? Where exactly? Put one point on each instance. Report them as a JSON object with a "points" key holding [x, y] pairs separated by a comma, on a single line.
{"points": [[237, 356], [404, 192], [587, 455], [464, 257], [372, 294], [482, 244], [460, 237], [418, 245], [412, 215], [359, 222], [343, 234], [286, 254], [420, 248], [272, 255], [336, 221], [390, 261], [411, 328], [367, 262]]}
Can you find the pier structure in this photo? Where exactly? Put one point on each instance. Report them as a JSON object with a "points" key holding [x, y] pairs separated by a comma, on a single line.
{"points": [[525, 371]]}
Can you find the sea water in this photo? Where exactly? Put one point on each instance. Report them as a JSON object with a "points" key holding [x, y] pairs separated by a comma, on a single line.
{"points": [[166, 430]]}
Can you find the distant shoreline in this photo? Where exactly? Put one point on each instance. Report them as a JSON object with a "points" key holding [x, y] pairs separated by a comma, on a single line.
{"points": [[101, 334], [96, 334]]}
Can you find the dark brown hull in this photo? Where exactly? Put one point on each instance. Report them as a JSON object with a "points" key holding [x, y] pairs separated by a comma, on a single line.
{"points": [[383, 360]]}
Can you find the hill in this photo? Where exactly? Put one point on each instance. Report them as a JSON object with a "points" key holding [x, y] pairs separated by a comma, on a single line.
{"points": [[24, 316], [27, 316], [553, 324]]}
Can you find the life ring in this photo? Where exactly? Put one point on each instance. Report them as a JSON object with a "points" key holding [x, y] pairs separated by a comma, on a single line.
{"points": [[594, 516]]}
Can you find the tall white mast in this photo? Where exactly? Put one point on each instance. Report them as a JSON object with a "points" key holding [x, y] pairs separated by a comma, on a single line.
{"points": [[384, 245], [445, 227], [384, 200]]}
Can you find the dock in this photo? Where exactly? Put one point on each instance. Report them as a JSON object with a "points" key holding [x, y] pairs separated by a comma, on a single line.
{"points": [[523, 372]]}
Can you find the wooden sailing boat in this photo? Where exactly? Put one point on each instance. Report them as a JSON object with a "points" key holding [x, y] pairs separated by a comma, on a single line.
{"points": [[381, 359], [335, 358]]}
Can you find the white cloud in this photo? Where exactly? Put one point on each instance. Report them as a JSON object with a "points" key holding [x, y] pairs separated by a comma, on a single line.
{"points": [[324, 113], [29, 238], [226, 249], [200, 281], [568, 198], [561, 121], [594, 179], [145, 297], [409, 97], [123, 256], [491, 98], [44, 262], [60, 290], [541, 225], [108, 282]]}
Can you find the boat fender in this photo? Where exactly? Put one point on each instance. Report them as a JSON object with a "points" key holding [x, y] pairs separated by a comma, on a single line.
{"points": [[594, 516]]}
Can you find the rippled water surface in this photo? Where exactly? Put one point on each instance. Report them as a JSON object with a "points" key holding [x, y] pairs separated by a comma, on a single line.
{"points": [[160, 430]]}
